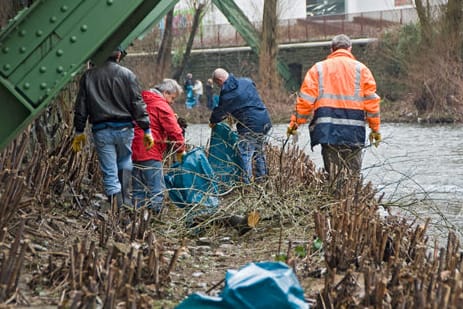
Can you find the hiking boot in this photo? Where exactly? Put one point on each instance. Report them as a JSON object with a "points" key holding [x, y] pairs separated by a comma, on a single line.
{"points": [[115, 200], [125, 176]]}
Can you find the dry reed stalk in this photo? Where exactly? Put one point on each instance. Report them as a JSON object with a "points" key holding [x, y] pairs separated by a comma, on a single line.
{"points": [[11, 264]]}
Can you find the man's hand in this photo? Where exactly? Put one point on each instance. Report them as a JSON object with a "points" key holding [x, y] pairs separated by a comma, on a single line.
{"points": [[78, 142], [375, 138], [148, 141], [211, 125], [292, 130], [179, 156]]}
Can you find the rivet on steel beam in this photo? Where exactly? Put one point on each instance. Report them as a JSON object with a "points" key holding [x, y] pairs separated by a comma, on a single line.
{"points": [[60, 69], [43, 69], [59, 52], [6, 67], [43, 85], [22, 50], [38, 33], [73, 39], [64, 8], [5, 50], [22, 32], [110, 2], [53, 19], [26, 85], [84, 28]]}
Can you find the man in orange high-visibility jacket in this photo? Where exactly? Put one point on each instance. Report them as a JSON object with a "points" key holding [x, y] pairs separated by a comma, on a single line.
{"points": [[341, 93]]}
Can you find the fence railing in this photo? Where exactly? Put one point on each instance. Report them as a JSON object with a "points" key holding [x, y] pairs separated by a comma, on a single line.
{"points": [[315, 28]]}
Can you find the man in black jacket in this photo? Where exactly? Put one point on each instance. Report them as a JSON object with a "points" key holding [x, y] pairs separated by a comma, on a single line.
{"points": [[110, 98]]}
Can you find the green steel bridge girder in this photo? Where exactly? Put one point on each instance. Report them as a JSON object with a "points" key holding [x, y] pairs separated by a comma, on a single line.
{"points": [[241, 23], [45, 45], [150, 20]]}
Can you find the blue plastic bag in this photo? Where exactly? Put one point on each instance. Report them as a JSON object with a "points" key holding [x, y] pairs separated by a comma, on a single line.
{"points": [[192, 183], [224, 156], [256, 285]]}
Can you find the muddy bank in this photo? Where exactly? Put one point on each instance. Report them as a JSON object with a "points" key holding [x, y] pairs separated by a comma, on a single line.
{"points": [[73, 250]]}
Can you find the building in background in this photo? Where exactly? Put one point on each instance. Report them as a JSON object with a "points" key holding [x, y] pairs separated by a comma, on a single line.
{"points": [[299, 20], [332, 7], [287, 10]]}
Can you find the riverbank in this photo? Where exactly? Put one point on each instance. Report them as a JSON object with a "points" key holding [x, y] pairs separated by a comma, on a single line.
{"points": [[79, 252], [63, 245], [280, 110]]}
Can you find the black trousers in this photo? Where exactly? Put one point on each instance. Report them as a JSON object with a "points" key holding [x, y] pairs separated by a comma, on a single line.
{"points": [[342, 157]]}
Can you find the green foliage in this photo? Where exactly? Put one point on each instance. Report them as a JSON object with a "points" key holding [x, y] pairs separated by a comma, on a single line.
{"points": [[408, 41], [177, 56], [300, 251], [392, 56], [317, 244], [281, 257]]}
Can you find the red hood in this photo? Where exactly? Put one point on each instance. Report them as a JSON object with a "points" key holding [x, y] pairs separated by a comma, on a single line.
{"points": [[152, 96]]}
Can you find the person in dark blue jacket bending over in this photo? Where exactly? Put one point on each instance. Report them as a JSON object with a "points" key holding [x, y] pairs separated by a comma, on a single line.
{"points": [[240, 99]]}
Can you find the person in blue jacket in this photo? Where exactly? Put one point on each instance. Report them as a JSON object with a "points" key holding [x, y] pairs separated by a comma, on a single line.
{"points": [[190, 101], [239, 98]]}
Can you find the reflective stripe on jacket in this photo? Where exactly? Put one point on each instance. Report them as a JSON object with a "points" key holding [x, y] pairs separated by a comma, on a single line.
{"points": [[341, 92]]}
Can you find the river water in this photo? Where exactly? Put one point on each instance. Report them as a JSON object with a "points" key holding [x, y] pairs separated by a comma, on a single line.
{"points": [[416, 165]]}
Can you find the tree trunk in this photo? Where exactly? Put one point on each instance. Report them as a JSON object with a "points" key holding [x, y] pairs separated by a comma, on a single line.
{"points": [[269, 47], [453, 26], [164, 57], [186, 55], [425, 21]]}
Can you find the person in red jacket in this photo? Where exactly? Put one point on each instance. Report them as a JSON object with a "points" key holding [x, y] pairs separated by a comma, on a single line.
{"points": [[147, 175]]}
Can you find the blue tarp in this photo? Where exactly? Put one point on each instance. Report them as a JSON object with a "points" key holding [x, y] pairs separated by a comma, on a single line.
{"points": [[256, 285], [224, 156], [192, 183], [196, 182]]}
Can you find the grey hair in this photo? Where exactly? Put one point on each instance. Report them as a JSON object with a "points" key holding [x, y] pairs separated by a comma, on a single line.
{"points": [[169, 85], [340, 41], [220, 74]]}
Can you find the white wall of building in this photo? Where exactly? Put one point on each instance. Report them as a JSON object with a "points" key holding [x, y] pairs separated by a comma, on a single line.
{"points": [[359, 6], [253, 9], [293, 9]]}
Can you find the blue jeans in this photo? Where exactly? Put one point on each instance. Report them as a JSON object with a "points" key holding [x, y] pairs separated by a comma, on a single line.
{"points": [[251, 147], [148, 184], [114, 150]]}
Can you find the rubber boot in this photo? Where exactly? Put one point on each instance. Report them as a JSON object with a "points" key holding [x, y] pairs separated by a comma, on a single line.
{"points": [[125, 176]]}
